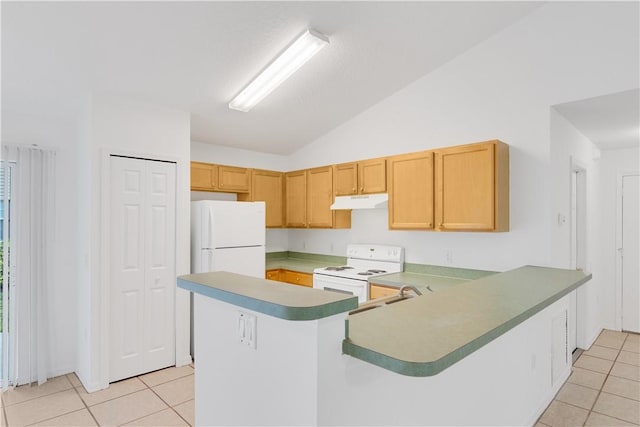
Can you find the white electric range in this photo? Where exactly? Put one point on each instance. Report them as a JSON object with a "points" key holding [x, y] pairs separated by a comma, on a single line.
{"points": [[363, 262]]}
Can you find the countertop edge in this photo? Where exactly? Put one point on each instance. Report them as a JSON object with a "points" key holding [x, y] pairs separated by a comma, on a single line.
{"points": [[433, 367], [269, 308]]}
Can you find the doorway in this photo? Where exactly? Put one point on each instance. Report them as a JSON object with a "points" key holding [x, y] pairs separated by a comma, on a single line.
{"points": [[578, 241], [628, 255]]}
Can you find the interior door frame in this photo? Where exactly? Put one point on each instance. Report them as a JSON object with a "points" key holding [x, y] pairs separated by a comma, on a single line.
{"points": [[618, 268], [578, 233], [182, 324]]}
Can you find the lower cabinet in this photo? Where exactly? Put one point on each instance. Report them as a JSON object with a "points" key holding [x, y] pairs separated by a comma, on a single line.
{"points": [[378, 291], [273, 274], [292, 277]]}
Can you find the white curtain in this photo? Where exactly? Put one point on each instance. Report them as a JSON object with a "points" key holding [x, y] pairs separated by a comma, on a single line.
{"points": [[33, 211]]}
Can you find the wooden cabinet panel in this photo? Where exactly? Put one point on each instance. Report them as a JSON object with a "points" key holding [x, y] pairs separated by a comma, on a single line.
{"points": [[273, 274], [297, 278], [372, 176], [268, 187], [345, 182], [233, 179], [296, 199], [377, 291], [203, 176], [472, 187], [320, 197], [411, 191]]}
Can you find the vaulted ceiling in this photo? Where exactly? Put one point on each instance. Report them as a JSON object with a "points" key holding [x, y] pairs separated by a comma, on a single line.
{"points": [[195, 56]]}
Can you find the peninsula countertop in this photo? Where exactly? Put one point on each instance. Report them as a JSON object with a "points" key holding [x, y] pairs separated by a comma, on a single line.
{"points": [[267, 296], [424, 335]]}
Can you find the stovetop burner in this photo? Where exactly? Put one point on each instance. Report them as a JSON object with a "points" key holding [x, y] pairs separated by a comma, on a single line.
{"points": [[376, 271], [341, 268], [365, 273]]}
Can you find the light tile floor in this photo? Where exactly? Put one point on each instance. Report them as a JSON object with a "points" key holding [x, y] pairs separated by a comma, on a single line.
{"points": [[604, 387], [161, 398], [603, 390]]}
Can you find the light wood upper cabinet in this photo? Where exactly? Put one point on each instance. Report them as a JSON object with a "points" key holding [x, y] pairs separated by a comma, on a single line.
{"points": [[296, 199], [267, 186], [410, 187], [472, 187], [365, 177], [320, 197], [308, 199], [203, 176], [233, 179], [345, 179], [210, 177], [372, 176]]}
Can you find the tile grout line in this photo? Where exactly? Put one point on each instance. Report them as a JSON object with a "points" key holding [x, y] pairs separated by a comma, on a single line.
{"points": [[172, 408], [56, 416], [39, 397], [86, 406], [604, 382]]}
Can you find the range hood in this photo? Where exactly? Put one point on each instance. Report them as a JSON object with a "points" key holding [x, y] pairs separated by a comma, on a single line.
{"points": [[365, 201]]}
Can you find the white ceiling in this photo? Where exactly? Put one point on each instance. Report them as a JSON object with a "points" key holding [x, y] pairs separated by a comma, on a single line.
{"points": [[195, 56], [609, 121]]}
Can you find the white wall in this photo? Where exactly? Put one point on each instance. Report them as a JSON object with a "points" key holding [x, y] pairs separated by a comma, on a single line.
{"points": [[209, 153], [612, 164], [503, 88], [59, 135], [120, 126]]}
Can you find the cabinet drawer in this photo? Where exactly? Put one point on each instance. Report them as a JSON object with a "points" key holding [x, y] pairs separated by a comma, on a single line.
{"points": [[377, 291], [297, 278], [273, 274]]}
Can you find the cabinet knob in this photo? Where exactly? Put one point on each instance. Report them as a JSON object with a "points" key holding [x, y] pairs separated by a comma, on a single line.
{"points": [[354, 189], [440, 225], [361, 189], [221, 185], [429, 224]]}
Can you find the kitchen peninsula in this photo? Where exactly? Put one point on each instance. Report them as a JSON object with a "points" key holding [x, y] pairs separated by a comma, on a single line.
{"points": [[486, 351]]}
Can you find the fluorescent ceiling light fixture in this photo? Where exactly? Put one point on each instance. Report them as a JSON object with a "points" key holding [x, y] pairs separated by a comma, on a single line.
{"points": [[294, 57]]}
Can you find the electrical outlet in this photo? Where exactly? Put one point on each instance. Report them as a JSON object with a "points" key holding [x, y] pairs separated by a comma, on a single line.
{"points": [[247, 329]]}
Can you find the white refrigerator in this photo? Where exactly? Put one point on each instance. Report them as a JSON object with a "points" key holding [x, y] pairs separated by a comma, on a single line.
{"points": [[228, 236]]}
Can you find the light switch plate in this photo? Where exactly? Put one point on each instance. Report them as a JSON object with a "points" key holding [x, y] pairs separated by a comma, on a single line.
{"points": [[247, 329]]}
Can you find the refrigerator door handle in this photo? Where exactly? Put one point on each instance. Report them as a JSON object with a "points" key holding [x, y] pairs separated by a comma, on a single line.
{"points": [[207, 260], [207, 228]]}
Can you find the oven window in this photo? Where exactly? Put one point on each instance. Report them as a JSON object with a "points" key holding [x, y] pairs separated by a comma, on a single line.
{"points": [[341, 291]]}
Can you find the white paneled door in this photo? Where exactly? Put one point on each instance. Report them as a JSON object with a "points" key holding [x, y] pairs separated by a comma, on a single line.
{"points": [[142, 266], [630, 254]]}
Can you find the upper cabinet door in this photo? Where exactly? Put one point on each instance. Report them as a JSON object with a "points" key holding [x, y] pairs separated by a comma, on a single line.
{"points": [[411, 191], [233, 179], [296, 199], [268, 186], [320, 197], [372, 176], [345, 179], [203, 176], [472, 187]]}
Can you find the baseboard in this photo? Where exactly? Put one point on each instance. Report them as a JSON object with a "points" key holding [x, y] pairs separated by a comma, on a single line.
{"points": [[594, 337], [186, 360], [550, 396]]}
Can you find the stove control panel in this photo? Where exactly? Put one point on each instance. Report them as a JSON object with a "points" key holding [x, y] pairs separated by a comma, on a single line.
{"points": [[376, 252]]}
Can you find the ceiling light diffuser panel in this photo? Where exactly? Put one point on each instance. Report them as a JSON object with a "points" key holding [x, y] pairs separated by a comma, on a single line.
{"points": [[294, 57]]}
